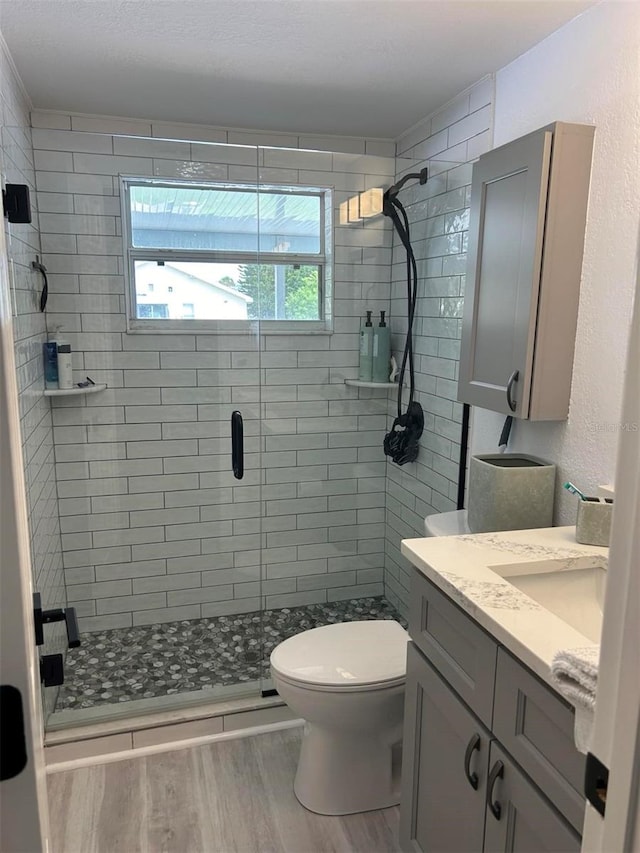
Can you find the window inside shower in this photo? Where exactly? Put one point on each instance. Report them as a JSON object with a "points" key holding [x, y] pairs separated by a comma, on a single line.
{"points": [[220, 255]]}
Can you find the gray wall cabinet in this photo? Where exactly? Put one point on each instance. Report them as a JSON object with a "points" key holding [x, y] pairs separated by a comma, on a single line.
{"points": [[462, 790], [526, 237]]}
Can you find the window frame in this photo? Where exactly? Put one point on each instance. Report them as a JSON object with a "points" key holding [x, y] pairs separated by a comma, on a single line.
{"points": [[323, 261]]}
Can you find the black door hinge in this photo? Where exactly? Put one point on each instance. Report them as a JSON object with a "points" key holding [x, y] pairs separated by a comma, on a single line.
{"points": [[46, 617], [52, 670], [596, 780]]}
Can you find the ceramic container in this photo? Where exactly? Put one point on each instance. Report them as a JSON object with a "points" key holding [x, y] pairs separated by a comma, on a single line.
{"points": [[510, 491], [593, 524]]}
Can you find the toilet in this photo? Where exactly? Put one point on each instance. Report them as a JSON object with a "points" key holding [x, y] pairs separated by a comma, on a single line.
{"points": [[347, 682]]}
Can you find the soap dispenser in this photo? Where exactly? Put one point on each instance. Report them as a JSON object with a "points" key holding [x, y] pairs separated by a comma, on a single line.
{"points": [[366, 350], [381, 351]]}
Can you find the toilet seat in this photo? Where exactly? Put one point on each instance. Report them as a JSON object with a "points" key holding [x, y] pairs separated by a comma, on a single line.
{"points": [[341, 688], [344, 657]]}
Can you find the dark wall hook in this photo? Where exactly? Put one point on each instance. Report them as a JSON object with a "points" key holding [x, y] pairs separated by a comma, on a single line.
{"points": [[36, 265]]}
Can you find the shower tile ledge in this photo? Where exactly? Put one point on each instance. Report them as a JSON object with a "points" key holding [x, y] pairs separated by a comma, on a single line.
{"points": [[461, 567], [185, 714]]}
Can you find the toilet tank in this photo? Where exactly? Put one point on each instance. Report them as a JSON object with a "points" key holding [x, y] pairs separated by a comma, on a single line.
{"points": [[447, 523]]}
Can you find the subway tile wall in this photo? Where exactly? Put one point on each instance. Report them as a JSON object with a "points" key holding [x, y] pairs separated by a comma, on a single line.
{"points": [[154, 526], [447, 142], [23, 244]]}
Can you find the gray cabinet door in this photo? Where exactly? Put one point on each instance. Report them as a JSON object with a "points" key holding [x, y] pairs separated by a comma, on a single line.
{"points": [[441, 811], [508, 199], [527, 822], [536, 726]]}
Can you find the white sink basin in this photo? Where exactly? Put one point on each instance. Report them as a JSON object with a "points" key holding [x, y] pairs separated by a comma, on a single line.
{"points": [[575, 594]]}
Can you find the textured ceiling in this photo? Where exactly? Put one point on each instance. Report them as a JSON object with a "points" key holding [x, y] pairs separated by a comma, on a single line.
{"points": [[353, 67]]}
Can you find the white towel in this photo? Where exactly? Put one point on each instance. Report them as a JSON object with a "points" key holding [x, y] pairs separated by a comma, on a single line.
{"points": [[575, 674], [583, 728]]}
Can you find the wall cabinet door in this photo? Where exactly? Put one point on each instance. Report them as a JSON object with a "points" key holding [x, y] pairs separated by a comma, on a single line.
{"points": [[445, 759], [526, 238], [505, 254], [519, 819]]}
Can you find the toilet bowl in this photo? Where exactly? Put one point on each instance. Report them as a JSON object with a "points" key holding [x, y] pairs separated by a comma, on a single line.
{"points": [[347, 682]]}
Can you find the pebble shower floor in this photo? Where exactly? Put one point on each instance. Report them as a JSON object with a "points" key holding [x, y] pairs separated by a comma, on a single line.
{"points": [[177, 657]]}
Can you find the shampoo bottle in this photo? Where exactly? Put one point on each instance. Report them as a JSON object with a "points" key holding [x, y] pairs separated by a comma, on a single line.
{"points": [[50, 357], [366, 350], [65, 367], [381, 351]]}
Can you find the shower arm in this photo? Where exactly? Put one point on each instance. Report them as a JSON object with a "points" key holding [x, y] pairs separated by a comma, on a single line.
{"points": [[393, 190]]}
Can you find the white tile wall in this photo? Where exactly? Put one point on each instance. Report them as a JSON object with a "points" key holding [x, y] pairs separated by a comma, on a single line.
{"points": [[439, 216], [159, 445], [23, 243], [155, 527]]}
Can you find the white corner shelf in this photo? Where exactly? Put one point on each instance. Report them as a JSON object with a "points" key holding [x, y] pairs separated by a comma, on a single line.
{"points": [[72, 392], [360, 383]]}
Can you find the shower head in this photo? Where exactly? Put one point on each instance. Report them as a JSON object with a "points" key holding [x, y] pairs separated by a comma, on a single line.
{"points": [[393, 190]]}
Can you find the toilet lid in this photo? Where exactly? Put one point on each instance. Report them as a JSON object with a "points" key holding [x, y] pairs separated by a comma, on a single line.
{"points": [[345, 654]]}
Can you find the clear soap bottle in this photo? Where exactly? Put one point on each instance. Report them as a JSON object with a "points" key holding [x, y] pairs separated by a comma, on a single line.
{"points": [[366, 350], [381, 351]]}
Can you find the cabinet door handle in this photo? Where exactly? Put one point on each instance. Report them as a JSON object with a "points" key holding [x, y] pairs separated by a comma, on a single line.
{"points": [[472, 746], [497, 772], [512, 380]]}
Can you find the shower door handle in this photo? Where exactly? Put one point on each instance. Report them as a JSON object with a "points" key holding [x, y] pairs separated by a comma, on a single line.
{"points": [[237, 445]]}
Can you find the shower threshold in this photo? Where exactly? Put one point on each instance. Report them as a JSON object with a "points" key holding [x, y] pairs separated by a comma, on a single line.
{"points": [[127, 671]]}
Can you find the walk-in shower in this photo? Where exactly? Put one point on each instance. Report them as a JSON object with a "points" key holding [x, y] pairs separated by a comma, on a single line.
{"points": [[203, 284]]}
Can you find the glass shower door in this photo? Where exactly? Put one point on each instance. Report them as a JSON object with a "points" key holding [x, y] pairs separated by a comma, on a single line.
{"points": [[230, 506], [159, 475]]}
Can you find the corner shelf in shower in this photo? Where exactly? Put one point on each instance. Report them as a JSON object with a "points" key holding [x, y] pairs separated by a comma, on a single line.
{"points": [[71, 392], [360, 383]]}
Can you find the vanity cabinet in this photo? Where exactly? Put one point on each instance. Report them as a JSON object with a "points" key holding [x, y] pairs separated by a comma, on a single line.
{"points": [[506, 777], [526, 236]]}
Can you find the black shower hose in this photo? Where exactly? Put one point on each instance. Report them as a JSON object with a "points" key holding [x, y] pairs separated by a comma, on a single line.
{"points": [[402, 444]]}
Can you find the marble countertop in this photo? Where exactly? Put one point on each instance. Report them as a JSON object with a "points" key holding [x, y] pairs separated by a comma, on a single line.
{"points": [[461, 567]]}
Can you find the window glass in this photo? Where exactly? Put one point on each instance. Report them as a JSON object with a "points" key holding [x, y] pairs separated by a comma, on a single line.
{"points": [[230, 220], [213, 291], [226, 252], [153, 311]]}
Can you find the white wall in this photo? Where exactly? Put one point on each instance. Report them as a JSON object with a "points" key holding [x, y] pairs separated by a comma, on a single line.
{"points": [[587, 72]]}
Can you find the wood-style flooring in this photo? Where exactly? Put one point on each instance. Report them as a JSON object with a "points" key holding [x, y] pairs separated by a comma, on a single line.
{"points": [[233, 796]]}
